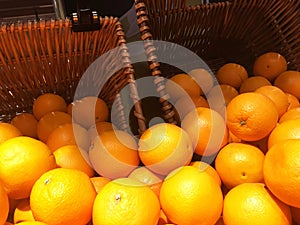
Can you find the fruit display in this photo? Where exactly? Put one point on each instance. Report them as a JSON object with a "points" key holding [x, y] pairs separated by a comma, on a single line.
{"points": [[234, 162]]}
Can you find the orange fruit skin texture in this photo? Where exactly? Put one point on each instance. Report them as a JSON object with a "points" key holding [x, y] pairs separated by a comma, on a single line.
{"points": [[32, 223], [251, 116], [253, 204], [99, 127], [289, 81], [4, 205], [277, 96], [238, 163], [252, 83], [186, 196], [126, 201], [23, 211], [291, 114], [99, 182], [116, 148], [269, 65], [281, 171], [207, 130], [164, 147], [182, 85], [8, 131], [293, 101], [289, 129], [22, 161], [232, 74], [89, 110], [70, 156], [46, 103], [63, 196], [49, 122], [69, 134], [26, 123], [205, 167]]}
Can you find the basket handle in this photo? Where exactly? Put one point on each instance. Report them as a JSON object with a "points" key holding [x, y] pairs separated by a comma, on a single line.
{"points": [[159, 81]]}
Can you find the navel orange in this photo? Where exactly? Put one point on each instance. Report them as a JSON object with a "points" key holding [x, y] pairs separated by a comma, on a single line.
{"points": [[281, 171], [251, 116], [269, 65], [164, 147], [124, 201], [26, 123], [254, 204], [46, 103], [186, 194], [22, 161], [63, 196], [207, 130], [238, 163]]}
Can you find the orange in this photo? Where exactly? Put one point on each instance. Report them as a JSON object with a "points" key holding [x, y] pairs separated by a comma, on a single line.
{"points": [[22, 161], [289, 81], [239, 163], [89, 110], [26, 123], [181, 85], [281, 171], [99, 127], [63, 196], [164, 147], [295, 214], [293, 101], [277, 96], [254, 204], [269, 65], [289, 129], [232, 138], [252, 83], [126, 201], [46, 103], [204, 79], [70, 156], [8, 131], [186, 104], [207, 130], [251, 116], [146, 176], [49, 122], [203, 166], [186, 194], [99, 182], [32, 223], [290, 115], [232, 74], [113, 154], [23, 211], [4, 205], [68, 134]]}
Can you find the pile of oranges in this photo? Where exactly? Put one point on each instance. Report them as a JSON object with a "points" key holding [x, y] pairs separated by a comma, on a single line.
{"points": [[233, 158]]}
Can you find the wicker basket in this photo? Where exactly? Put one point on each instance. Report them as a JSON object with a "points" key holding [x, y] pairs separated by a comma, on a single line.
{"points": [[46, 56], [236, 31]]}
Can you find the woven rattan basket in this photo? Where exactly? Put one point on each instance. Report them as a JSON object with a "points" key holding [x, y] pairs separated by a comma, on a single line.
{"points": [[233, 31], [46, 56]]}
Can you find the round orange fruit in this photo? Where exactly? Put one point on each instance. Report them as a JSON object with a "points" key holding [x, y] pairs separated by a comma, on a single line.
{"points": [[124, 201], [269, 65], [204, 79], [8, 131], [232, 74], [207, 130], [203, 166], [251, 116], [290, 115], [293, 101], [113, 154], [46, 103], [23, 212], [22, 161], [252, 83], [281, 171], [63, 196], [289, 81], [4, 204], [164, 147], [26, 123], [186, 194], [238, 163], [99, 127], [99, 182], [254, 204]]}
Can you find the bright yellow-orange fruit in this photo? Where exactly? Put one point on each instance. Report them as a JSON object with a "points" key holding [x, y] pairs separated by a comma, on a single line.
{"points": [[63, 196], [290, 115], [8, 131], [23, 212], [99, 182], [254, 204], [186, 194], [4, 205], [203, 166], [124, 201]]}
